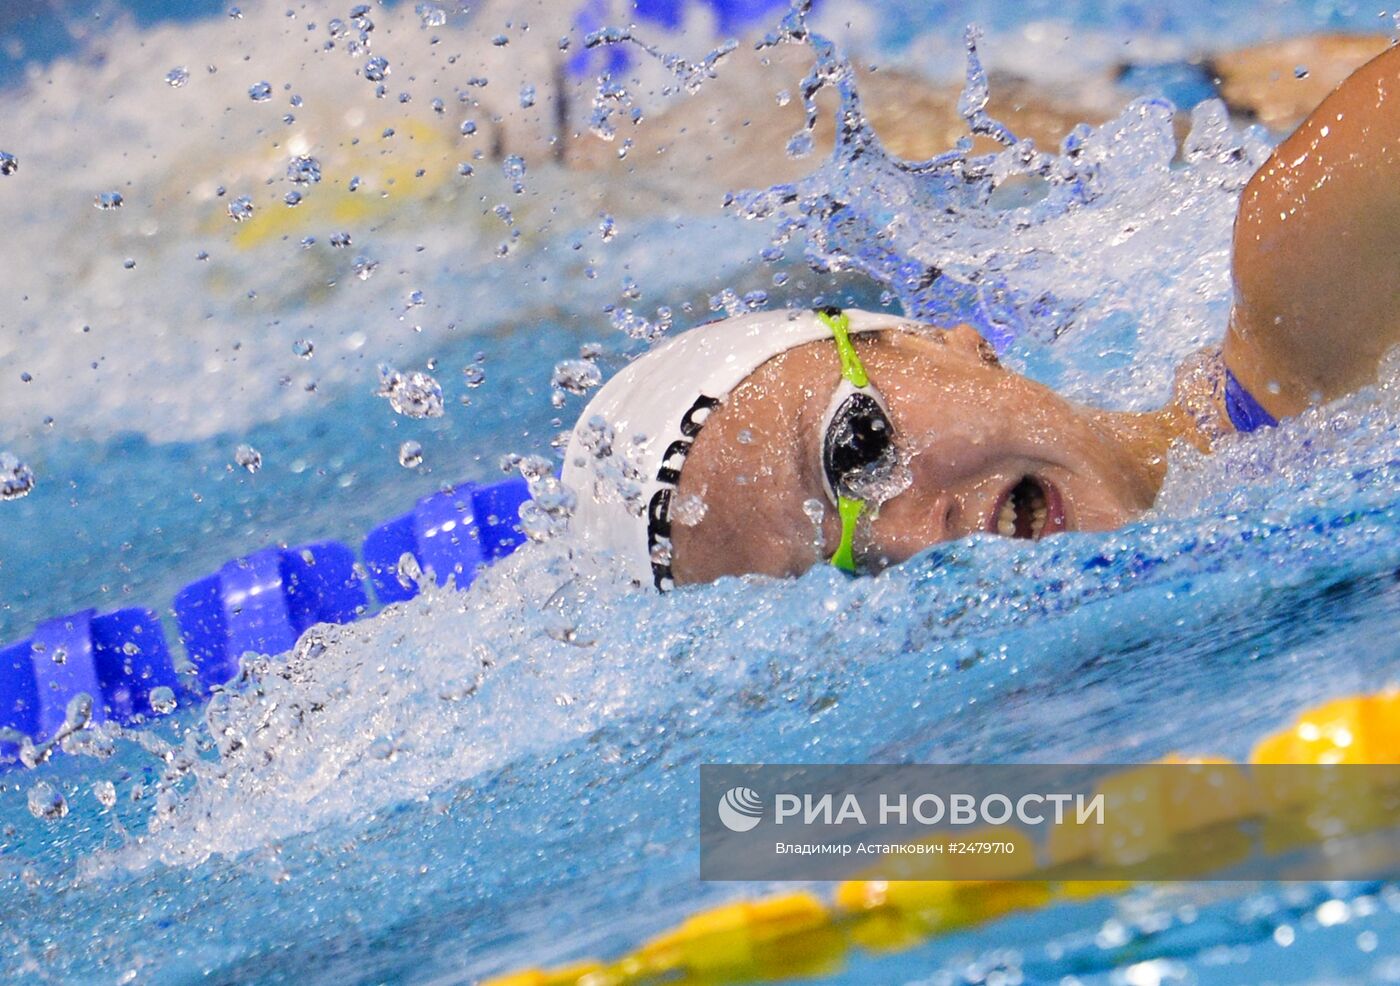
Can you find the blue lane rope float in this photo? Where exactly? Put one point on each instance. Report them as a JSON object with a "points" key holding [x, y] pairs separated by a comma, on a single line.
{"points": [[259, 603]]}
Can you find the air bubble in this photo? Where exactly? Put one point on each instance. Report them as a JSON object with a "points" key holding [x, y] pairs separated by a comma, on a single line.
{"points": [[260, 92], [9, 164], [292, 199], [106, 793], [474, 376], [163, 700], [527, 96], [177, 77], [108, 200]]}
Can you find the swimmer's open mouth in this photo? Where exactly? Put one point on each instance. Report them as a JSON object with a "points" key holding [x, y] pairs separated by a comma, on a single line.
{"points": [[1030, 509]]}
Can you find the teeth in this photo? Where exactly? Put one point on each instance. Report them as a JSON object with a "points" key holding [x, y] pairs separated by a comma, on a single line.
{"points": [[1006, 519]]}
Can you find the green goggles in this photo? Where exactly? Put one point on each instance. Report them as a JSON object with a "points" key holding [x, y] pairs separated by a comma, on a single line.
{"points": [[858, 439]]}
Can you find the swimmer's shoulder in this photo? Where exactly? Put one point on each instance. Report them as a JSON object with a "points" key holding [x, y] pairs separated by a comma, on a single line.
{"points": [[1317, 290]]}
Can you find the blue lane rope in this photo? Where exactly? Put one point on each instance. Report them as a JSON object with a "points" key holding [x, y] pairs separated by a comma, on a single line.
{"points": [[259, 603]]}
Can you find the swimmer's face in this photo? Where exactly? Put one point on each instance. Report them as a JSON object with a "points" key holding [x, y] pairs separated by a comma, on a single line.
{"points": [[979, 449]]}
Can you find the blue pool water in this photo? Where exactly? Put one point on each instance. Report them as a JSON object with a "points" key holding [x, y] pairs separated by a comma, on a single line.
{"points": [[472, 782]]}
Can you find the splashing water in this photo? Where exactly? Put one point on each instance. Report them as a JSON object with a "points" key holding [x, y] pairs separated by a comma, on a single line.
{"points": [[1107, 243], [506, 776]]}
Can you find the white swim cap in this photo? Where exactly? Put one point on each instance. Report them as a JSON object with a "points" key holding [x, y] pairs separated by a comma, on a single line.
{"points": [[625, 455]]}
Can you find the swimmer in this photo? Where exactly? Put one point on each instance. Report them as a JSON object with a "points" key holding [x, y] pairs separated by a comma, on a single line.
{"points": [[782, 440]]}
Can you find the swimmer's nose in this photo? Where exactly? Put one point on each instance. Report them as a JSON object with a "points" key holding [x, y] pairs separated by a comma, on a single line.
{"points": [[909, 523]]}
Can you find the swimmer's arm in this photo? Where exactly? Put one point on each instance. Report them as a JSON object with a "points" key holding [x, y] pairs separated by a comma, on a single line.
{"points": [[1317, 250]]}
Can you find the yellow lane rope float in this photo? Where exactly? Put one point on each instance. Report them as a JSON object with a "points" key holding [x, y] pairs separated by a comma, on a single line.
{"points": [[799, 934]]}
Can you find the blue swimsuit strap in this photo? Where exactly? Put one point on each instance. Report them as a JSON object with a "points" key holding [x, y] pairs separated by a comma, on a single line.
{"points": [[1246, 414]]}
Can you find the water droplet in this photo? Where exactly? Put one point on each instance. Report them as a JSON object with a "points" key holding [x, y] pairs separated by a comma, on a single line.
{"points": [[745, 436], [414, 395], [78, 714], [240, 209], [46, 803], [410, 454], [465, 170], [468, 128], [577, 376], [106, 793], [16, 478], [236, 13], [260, 92], [202, 255], [409, 572], [354, 185], [303, 348], [607, 228], [248, 457], [108, 200], [431, 15], [340, 239], [514, 169], [177, 77], [527, 96], [9, 164], [60, 656], [364, 267], [473, 376], [500, 41], [415, 299], [800, 145], [359, 16], [661, 551], [689, 510], [129, 263], [303, 170], [292, 198], [1300, 72], [163, 700], [377, 68]]}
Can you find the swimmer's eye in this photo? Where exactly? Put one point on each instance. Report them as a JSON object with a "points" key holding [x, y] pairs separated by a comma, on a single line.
{"points": [[858, 448]]}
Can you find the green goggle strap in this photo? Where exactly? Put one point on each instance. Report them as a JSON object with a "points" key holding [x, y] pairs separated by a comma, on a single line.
{"points": [[853, 371]]}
